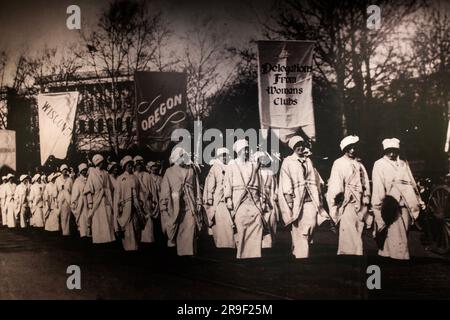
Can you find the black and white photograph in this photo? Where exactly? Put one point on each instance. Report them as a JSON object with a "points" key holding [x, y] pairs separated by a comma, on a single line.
{"points": [[213, 150]]}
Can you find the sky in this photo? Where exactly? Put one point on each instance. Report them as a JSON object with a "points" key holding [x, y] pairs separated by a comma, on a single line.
{"points": [[30, 25]]}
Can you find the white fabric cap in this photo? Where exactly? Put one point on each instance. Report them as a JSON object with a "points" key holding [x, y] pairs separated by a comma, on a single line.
{"points": [[222, 151], [348, 141], [82, 166], [125, 160], [176, 154], [35, 177], [4, 178], [23, 177], [56, 175], [97, 159], [294, 140], [50, 177], [239, 145], [63, 167], [391, 143], [9, 176], [138, 158], [152, 163]]}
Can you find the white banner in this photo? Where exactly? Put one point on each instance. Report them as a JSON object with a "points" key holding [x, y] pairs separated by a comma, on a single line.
{"points": [[285, 86], [8, 149], [56, 119]]}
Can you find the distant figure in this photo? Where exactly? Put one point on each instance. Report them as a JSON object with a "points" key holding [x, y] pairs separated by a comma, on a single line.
{"points": [[51, 217], [9, 204], [36, 201], [21, 198], [64, 185], [79, 201], [2, 200]]}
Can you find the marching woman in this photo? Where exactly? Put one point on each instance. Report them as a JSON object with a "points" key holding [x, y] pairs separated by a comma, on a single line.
{"points": [[51, 217], [79, 202], [36, 201], [181, 201], [9, 204], [100, 202], [129, 216], [393, 180], [64, 185], [2, 200], [219, 217]]}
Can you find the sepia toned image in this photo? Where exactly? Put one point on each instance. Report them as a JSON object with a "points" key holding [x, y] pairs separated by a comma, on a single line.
{"points": [[224, 151]]}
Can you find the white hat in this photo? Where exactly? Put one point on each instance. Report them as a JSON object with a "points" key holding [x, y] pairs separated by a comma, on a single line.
{"points": [[23, 177], [35, 177], [64, 167], [391, 143], [294, 140], [9, 176], [97, 159], [125, 160], [151, 163], [4, 178], [50, 177], [239, 145], [111, 165], [82, 166], [56, 175], [221, 151], [176, 154], [138, 158], [348, 140]]}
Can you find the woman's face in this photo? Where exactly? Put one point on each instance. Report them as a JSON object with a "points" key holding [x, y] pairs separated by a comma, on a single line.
{"points": [[392, 154]]}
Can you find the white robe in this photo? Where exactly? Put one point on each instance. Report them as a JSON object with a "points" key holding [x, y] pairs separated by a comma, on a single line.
{"points": [[218, 214], [179, 199], [269, 189], [51, 217], [79, 206], [394, 178], [2, 203], [64, 186], [9, 204], [128, 213], [36, 199], [247, 213], [306, 211], [148, 196], [348, 176], [101, 215]]}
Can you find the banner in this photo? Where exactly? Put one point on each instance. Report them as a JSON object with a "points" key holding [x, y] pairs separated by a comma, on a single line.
{"points": [[8, 149], [285, 87], [161, 107], [56, 119]]}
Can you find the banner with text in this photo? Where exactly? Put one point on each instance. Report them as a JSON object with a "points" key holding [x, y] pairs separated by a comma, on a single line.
{"points": [[8, 149], [56, 120], [285, 87], [161, 107]]}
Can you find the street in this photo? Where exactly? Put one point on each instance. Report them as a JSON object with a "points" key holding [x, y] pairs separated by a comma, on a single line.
{"points": [[33, 265]]}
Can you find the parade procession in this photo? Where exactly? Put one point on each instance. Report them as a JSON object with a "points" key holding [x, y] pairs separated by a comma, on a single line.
{"points": [[264, 149]]}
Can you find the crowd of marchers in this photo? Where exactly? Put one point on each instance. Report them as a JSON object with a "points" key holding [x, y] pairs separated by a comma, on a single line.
{"points": [[241, 203]]}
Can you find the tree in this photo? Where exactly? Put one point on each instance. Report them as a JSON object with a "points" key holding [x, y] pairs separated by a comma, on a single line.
{"points": [[127, 39]]}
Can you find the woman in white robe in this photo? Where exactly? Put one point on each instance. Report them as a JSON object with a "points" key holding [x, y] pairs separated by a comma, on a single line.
{"points": [[219, 217], [2, 200], [51, 217], [392, 176], [242, 191], [128, 212], [64, 185], [36, 200], [100, 202], [78, 202], [9, 204], [350, 183], [181, 200]]}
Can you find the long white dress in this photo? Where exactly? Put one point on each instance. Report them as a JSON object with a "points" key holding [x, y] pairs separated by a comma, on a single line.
{"points": [[247, 209], [2, 203], [179, 198], [51, 217], [64, 186], [101, 215], [128, 213], [349, 177], [394, 178], [36, 199], [218, 214], [300, 181], [79, 206], [10, 189]]}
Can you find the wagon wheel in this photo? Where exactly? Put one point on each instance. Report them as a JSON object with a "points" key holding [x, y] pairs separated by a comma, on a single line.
{"points": [[439, 218]]}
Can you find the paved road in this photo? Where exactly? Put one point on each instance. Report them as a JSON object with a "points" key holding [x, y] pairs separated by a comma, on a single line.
{"points": [[33, 265]]}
